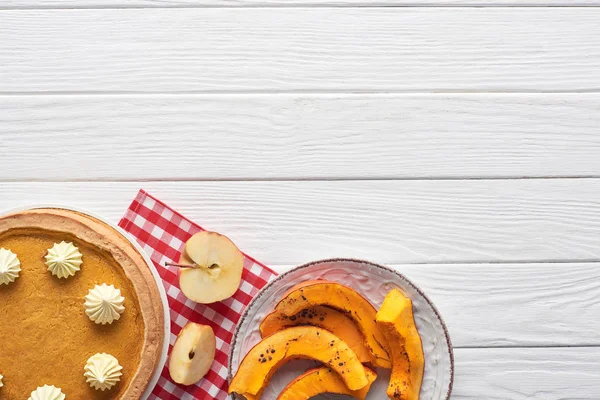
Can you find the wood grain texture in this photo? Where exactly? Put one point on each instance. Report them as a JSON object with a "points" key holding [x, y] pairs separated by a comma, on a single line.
{"points": [[300, 136], [385, 221], [323, 49], [34, 4], [512, 305], [527, 374]]}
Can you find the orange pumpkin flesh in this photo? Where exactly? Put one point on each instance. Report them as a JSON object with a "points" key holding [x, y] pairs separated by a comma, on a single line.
{"points": [[396, 320], [306, 342], [327, 318], [323, 380], [342, 298]]}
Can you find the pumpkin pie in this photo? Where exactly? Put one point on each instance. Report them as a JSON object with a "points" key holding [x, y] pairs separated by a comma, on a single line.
{"points": [[46, 335]]}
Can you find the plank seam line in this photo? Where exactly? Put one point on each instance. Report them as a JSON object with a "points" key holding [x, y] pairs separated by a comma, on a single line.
{"points": [[271, 92], [301, 179], [467, 263], [324, 95], [565, 346], [306, 5], [452, 263]]}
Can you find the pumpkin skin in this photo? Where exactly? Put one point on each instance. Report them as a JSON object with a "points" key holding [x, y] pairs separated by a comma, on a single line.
{"points": [[327, 318], [344, 299], [307, 342], [323, 380], [396, 320]]}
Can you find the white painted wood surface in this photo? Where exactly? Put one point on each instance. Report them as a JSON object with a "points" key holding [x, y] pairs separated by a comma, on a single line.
{"points": [[309, 49], [286, 136], [396, 130], [388, 221], [45, 4], [527, 374]]}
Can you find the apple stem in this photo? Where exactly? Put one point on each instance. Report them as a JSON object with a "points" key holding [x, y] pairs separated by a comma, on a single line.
{"points": [[169, 264]]}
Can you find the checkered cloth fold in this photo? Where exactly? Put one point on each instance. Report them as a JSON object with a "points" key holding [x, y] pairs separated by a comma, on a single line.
{"points": [[162, 233]]}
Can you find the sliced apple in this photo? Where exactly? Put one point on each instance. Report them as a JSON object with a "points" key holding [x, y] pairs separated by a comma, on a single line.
{"points": [[397, 322], [217, 268], [193, 353], [335, 295], [323, 380], [184, 259], [306, 342], [327, 318]]}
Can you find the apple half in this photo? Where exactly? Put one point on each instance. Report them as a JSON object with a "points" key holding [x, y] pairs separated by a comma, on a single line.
{"points": [[193, 353], [216, 268]]}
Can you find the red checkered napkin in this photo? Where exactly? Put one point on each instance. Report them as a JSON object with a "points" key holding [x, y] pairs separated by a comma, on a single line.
{"points": [[162, 233]]}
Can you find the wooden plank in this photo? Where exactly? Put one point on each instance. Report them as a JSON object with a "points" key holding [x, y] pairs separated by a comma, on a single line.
{"points": [[512, 305], [46, 4], [310, 49], [385, 221], [520, 374], [300, 136]]}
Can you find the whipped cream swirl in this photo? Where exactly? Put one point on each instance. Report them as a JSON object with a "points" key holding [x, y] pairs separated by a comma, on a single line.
{"points": [[10, 266], [47, 393], [63, 259], [102, 371], [1, 384], [104, 304]]}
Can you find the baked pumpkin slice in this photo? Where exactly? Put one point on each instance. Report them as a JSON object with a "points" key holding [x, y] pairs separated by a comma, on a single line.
{"points": [[335, 295], [299, 342], [323, 380], [396, 320], [327, 318]]}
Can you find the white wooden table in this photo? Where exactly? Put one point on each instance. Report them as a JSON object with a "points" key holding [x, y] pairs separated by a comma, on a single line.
{"points": [[458, 140]]}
